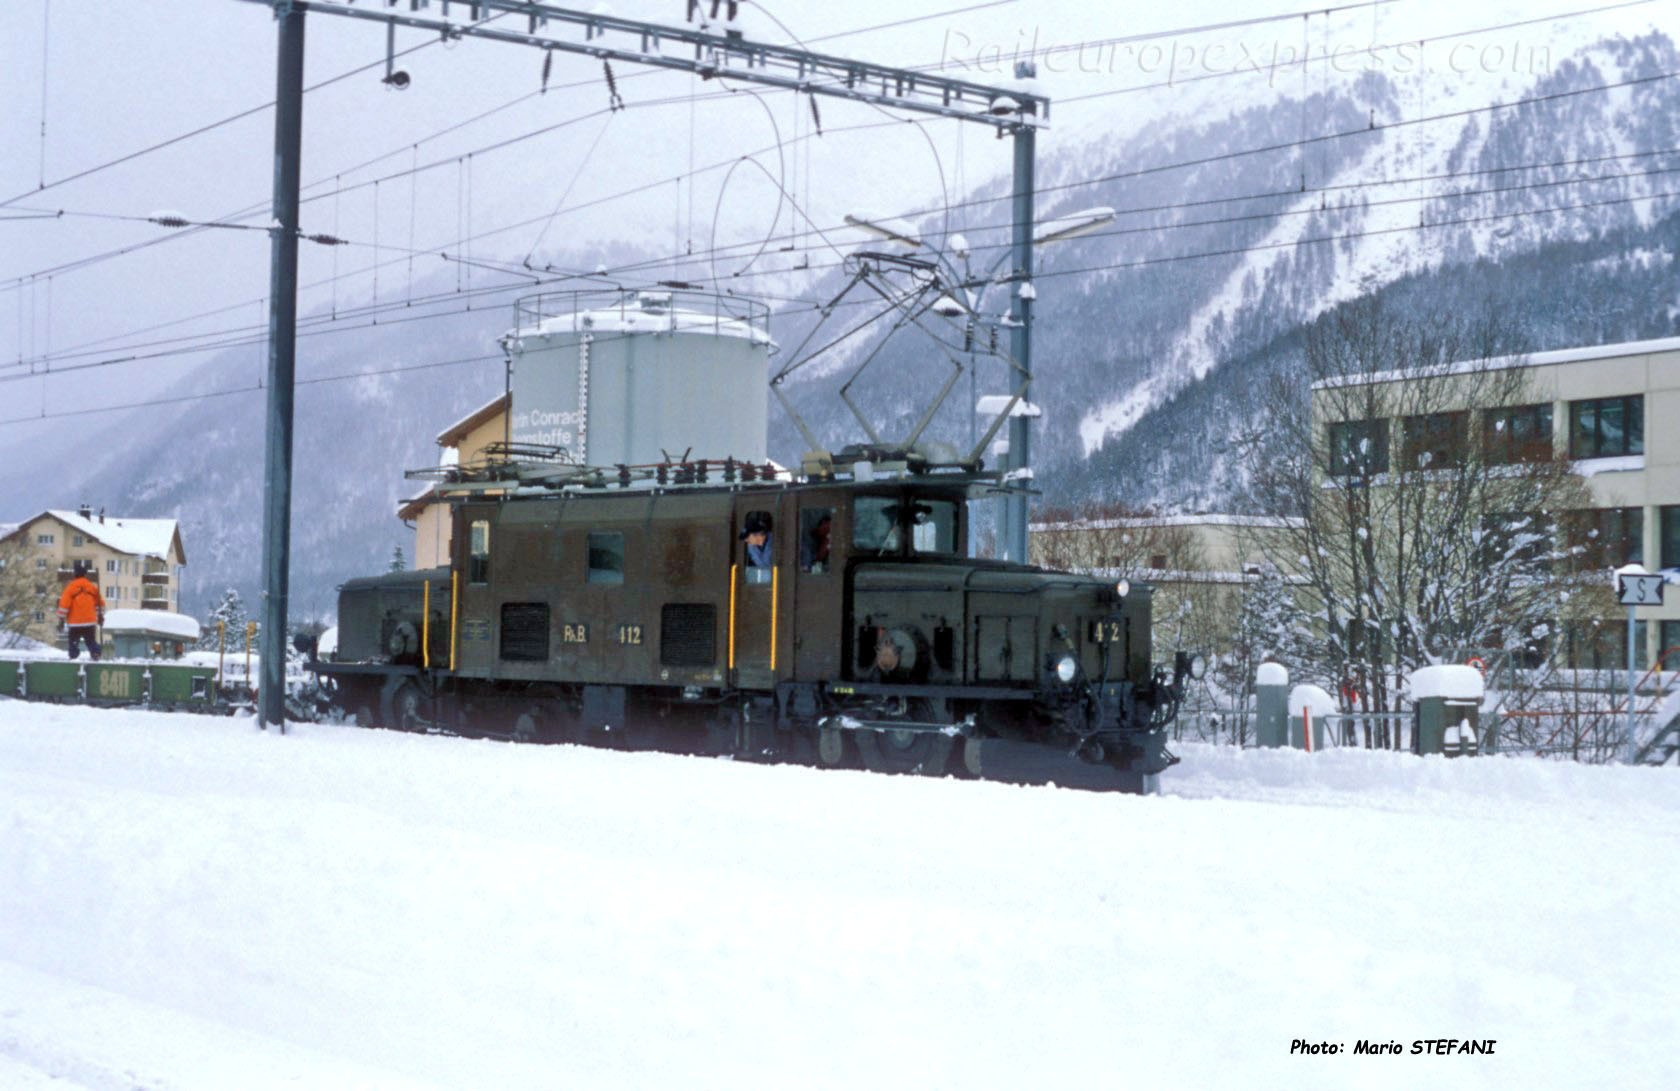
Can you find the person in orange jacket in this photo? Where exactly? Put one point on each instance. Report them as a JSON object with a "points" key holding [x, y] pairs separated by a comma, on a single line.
{"points": [[82, 609]]}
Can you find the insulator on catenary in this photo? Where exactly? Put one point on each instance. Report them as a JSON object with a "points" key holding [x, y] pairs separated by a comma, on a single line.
{"points": [[615, 100]]}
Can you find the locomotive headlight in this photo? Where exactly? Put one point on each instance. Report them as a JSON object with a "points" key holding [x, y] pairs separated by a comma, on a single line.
{"points": [[1123, 588], [1067, 669]]}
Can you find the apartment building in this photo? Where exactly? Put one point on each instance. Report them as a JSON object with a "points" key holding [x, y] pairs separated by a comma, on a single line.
{"points": [[137, 563], [1602, 407]]}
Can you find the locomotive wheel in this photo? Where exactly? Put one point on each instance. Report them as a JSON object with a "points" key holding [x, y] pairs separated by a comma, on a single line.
{"points": [[527, 727], [831, 746], [407, 708], [921, 752]]}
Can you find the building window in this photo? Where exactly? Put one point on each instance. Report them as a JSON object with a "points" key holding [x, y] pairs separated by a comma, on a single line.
{"points": [[1359, 447], [478, 551], [43, 539], [1607, 427], [111, 566], [40, 615], [1602, 645], [1670, 545], [1521, 433], [1670, 646], [40, 562], [1434, 441], [77, 540], [1605, 537], [606, 557]]}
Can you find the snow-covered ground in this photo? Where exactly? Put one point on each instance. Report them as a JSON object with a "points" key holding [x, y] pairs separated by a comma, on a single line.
{"points": [[186, 902]]}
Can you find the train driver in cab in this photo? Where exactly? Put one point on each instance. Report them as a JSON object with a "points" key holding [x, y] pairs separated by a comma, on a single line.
{"points": [[756, 533]]}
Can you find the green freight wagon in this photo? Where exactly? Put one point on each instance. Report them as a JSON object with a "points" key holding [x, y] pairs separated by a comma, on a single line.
{"points": [[116, 683], [52, 680], [10, 672], [183, 686]]}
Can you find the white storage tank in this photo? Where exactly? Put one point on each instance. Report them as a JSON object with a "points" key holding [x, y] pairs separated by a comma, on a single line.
{"points": [[624, 377]]}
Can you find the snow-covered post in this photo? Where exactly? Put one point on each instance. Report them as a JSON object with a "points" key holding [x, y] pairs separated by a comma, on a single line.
{"points": [[1309, 708], [1271, 705], [1447, 699]]}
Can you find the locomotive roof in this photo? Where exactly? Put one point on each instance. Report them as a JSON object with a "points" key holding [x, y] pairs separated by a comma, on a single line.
{"points": [[524, 472], [965, 486]]}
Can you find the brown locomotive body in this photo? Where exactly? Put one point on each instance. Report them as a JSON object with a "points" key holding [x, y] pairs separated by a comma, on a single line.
{"points": [[635, 617]]}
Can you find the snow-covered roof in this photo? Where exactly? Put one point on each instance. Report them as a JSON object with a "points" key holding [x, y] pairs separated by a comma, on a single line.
{"points": [[1576, 355], [139, 537], [152, 622], [1128, 521], [1271, 674]]}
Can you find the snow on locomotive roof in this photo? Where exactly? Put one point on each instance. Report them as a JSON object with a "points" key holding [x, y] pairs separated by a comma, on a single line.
{"points": [[160, 622]]}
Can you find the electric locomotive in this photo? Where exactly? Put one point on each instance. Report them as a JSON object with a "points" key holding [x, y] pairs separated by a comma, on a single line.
{"points": [[579, 607]]}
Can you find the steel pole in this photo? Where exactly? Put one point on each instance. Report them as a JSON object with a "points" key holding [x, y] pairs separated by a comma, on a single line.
{"points": [[1020, 341], [282, 358], [1631, 667]]}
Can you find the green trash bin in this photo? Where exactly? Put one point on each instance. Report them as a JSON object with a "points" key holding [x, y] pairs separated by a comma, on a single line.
{"points": [[10, 672], [116, 683], [183, 686], [52, 680]]}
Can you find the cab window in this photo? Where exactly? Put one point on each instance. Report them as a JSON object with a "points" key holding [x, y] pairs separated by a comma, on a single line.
{"points": [[606, 557], [815, 526], [887, 524], [478, 552]]}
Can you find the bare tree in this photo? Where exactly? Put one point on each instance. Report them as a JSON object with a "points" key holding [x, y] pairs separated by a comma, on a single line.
{"points": [[22, 591], [1429, 494]]}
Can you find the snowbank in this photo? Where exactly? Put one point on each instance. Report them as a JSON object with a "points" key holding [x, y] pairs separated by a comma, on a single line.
{"points": [[187, 902], [1308, 696]]}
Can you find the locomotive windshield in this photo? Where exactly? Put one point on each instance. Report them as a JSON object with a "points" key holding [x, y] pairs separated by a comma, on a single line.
{"points": [[889, 524]]}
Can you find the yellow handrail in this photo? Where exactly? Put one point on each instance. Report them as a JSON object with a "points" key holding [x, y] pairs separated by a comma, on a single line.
{"points": [[774, 574], [734, 570], [454, 597], [426, 624]]}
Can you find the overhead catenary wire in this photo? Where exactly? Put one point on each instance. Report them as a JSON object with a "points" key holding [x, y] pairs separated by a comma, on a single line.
{"points": [[650, 264], [1050, 274], [1332, 136], [206, 128], [256, 209]]}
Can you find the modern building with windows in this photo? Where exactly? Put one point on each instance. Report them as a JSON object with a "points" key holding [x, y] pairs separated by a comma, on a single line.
{"points": [[1601, 407]]}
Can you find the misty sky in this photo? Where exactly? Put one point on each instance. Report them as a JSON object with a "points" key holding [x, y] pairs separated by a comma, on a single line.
{"points": [[120, 77]]}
